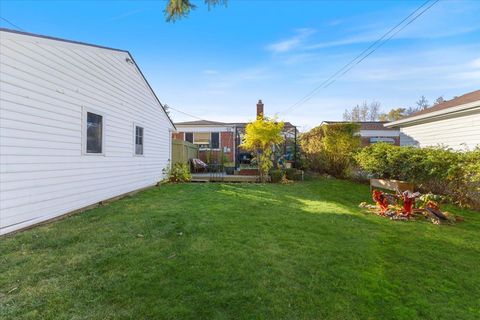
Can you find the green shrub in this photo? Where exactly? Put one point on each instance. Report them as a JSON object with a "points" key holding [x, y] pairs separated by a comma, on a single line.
{"points": [[276, 175], [179, 172], [437, 170], [293, 174], [329, 148]]}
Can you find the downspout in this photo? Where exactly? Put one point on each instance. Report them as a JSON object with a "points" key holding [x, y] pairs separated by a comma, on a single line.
{"points": [[236, 147], [295, 149]]}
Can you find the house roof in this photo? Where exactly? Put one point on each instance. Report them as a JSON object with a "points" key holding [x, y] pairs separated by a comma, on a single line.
{"points": [[59, 39], [202, 123], [216, 123], [465, 104], [365, 125], [95, 46], [466, 98], [286, 124]]}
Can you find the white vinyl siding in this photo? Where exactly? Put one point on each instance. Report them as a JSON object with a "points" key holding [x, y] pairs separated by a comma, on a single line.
{"points": [[457, 132], [45, 87]]}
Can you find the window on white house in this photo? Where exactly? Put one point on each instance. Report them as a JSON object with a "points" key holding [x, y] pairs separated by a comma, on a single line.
{"points": [[189, 137], [94, 133], [215, 140], [138, 140]]}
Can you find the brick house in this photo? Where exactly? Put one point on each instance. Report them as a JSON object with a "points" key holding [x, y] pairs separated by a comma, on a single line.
{"points": [[222, 139], [213, 138], [375, 131]]}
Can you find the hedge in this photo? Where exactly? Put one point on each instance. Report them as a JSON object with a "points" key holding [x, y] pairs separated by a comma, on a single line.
{"points": [[438, 170]]}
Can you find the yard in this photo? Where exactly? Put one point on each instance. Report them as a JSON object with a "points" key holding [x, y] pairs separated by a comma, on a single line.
{"points": [[242, 251]]}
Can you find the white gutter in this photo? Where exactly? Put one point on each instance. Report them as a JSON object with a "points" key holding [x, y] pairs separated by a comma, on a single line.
{"points": [[467, 107]]}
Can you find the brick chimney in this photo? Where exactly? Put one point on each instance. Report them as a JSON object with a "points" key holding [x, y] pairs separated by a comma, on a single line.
{"points": [[260, 109]]}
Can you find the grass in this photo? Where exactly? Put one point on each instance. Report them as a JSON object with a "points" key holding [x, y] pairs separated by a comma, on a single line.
{"points": [[242, 251]]}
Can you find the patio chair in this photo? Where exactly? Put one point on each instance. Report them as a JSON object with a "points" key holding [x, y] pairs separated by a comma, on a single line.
{"points": [[198, 165]]}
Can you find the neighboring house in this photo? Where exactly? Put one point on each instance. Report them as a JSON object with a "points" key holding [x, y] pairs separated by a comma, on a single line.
{"points": [[79, 124], [454, 123], [213, 138], [375, 131], [217, 139]]}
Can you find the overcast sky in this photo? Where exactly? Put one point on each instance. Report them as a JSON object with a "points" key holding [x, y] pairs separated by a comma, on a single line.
{"points": [[216, 64]]}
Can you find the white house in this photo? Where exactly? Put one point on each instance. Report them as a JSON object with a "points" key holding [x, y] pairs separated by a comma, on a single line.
{"points": [[79, 124], [454, 123]]}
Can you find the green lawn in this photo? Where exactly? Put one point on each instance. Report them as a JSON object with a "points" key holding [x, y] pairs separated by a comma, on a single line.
{"points": [[242, 251]]}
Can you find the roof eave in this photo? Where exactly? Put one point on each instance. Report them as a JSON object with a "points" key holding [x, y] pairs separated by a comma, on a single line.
{"points": [[36, 35], [440, 113], [152, 91], [204, 125]]}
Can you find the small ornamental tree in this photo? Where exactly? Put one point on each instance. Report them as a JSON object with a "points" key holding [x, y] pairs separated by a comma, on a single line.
{"points": [[329, 148], [260, 137]]}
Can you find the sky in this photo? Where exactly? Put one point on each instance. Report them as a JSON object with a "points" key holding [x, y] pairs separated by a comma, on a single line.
{"points": [[217, 63]]}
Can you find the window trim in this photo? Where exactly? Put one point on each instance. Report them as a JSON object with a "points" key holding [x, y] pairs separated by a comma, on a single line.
{"points": [[185, 136], [219, 140], [135, 125], [84, 131], [210, 141]]}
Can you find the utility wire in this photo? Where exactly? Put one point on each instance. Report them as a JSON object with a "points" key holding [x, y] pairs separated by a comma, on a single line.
{"points": [[12, 24], [185, 113], [381, 44], [355, 61]]}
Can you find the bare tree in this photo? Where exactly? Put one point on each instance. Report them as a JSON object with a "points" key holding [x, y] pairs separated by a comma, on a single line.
{"points": [[439, 100], [365, 112], [411, 110], [422, 103], [166, 107], [374, 110]]}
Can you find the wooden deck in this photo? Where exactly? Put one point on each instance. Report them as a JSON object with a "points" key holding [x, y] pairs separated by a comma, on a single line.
{"points": [[222, 177]]}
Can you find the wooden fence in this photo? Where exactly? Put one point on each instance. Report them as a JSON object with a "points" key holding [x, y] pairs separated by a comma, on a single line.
{"points": [[183, 151]]}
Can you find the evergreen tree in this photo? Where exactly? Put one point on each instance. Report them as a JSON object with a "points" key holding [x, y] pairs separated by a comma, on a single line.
{"points": [[177, 9]]}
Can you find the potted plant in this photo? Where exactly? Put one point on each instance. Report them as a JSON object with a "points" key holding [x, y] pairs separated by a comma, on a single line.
{"points": [[229, 168]]}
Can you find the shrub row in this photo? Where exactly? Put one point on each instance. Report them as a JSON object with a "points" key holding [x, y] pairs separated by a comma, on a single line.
{"points": [[276, 175], [438, 170]]}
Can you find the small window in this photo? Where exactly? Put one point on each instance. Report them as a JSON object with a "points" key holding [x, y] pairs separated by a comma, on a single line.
{"points": [[215, 140], [189, 137], [94, 133], [138, 140]]}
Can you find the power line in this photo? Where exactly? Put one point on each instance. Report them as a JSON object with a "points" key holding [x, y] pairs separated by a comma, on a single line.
{"points": [[352, 63], [381, 44], [12, 24], [185, 113], [354, 59]]}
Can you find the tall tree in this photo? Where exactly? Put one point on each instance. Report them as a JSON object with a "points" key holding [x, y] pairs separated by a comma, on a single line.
{"points": [[439, 100], [365, 112], [177, 9], [393, 115], [422, 103]]}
